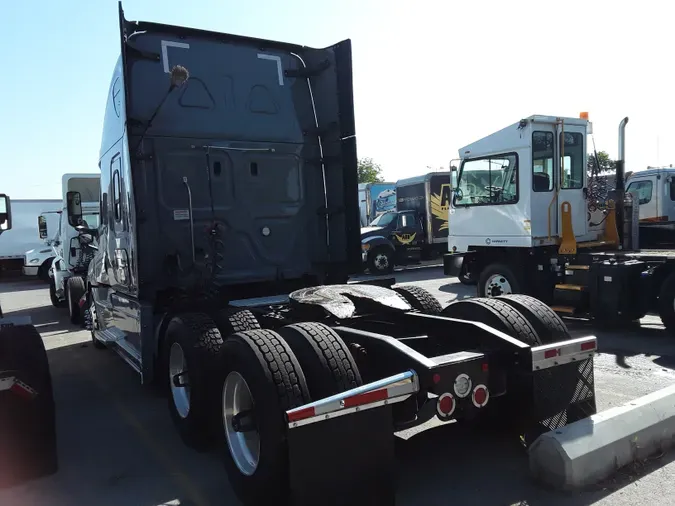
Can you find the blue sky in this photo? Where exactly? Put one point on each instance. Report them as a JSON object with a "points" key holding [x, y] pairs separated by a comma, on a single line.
{"points": [[428, 79]]}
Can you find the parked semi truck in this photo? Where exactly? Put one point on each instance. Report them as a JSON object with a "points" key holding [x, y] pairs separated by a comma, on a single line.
{"points": [[534, 230], [76, 245], [38, 261], [27, 414], [230, 286], [375, 199], [24, 235], [416, 230]]}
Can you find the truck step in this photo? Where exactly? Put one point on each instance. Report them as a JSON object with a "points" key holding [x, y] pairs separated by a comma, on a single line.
{"points": [[568, 310], [577, 274], [565, 286], [566, 294]]}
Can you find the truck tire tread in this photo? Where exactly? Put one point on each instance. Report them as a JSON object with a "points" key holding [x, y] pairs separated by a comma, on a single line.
{"points": [[324, 357], [201, 342], [231, 320], [549, 326], [419, 298], [75, 287], [496, 313], [277, 383]]}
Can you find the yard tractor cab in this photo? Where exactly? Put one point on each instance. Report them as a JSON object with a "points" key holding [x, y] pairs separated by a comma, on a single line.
{"points": [[527, 217]]}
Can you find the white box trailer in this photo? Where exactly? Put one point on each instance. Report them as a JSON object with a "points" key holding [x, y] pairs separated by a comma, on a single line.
{"points": [[24, 235]]}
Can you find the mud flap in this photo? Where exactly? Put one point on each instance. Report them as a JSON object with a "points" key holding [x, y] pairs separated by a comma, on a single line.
{"points": [[341, 449], [562, 385], [344, 461]]}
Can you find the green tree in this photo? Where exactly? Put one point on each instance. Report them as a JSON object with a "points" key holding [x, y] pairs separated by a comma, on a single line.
{"points": [[606, 163], [369, 171]]}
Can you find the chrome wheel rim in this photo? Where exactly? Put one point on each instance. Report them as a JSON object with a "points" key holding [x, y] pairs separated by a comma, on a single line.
{"points": [[178, 371], [497, 285], [244, 446], [381, 261]]}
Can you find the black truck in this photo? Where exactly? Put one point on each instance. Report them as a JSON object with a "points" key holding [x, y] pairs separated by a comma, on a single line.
{"points": [[417, 230], [229, 231]]}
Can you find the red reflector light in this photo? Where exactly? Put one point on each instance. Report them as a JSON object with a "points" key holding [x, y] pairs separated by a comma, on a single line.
{"points": [[437, 378], [366, 398], [551, 353], [480, 396], [445, 406], [301, 414], [590, 345], [485, 367]]}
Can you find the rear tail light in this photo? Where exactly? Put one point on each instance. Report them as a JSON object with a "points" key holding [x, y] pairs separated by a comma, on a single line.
{"points": [[445, 406], [481, 395]]}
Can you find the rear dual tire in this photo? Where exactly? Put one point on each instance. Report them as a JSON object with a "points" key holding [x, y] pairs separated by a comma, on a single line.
{"points": [[271, 371], [277, 372]]}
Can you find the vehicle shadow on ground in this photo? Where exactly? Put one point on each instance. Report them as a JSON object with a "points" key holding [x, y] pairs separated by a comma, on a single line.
{"points": [[21, 285], [631, 340], [116, 442], [458, 290], [47, 319], [456, 465]]}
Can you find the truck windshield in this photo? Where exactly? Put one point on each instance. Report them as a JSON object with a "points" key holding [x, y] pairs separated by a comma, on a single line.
{"points": [[383, 220], [92, 220], [488, 181]]}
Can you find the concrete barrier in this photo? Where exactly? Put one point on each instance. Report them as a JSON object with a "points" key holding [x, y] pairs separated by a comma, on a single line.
{"points": [[589, 450]]}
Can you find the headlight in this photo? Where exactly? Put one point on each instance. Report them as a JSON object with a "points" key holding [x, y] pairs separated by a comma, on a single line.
{"points": [[365, 246], [34, 261]]}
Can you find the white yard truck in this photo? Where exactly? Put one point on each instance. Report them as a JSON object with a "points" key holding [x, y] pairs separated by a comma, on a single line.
{"points": [[225, 247], [525, 220], [27, 414], [75, 248], [655, 190]]}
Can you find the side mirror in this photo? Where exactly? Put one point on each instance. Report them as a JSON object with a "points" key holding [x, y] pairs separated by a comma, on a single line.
{"points": [[5, 213], [74, 206], [42, 227]]}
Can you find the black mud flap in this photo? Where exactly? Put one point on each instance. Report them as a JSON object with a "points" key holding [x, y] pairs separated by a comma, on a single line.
{"points": [[344, 461], [562, 385], [341, 449]]}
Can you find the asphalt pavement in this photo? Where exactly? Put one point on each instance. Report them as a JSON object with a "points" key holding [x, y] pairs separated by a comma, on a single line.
{"points": [[117, 444]]}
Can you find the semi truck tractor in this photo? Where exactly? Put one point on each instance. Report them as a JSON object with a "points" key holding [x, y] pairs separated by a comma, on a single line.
{"points": [[76, 244], [229, 231]]}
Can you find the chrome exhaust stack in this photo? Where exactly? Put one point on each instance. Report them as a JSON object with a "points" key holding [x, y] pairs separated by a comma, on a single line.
{"points": [[621, 182]]}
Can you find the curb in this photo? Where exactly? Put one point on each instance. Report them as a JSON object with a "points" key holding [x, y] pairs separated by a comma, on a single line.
{"points": [[592, 449]]}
